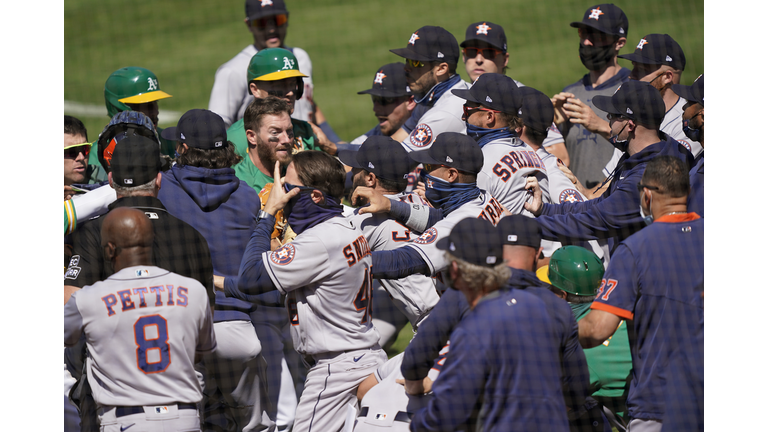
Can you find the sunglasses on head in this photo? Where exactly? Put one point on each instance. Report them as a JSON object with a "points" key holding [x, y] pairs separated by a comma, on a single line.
{"points": [[278, 20], [73, 151], [488, 53]]}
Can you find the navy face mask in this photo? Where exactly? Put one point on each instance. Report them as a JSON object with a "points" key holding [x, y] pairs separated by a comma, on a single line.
{"points": [[448, 196], [621, 145], [302, 213], [694, 134]]}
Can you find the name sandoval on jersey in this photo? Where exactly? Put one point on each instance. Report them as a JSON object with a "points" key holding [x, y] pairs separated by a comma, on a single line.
{"points": [[129, 299], [360, 248], [516, 160]]}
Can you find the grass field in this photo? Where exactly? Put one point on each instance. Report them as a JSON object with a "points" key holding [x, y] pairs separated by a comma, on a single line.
{"points": [[185, 41]]}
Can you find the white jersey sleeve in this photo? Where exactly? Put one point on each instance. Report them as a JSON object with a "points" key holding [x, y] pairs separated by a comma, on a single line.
{"points": [[507, 164], [303, 107], [326, 273], [143, 326], [444, 116], [230, 94]]}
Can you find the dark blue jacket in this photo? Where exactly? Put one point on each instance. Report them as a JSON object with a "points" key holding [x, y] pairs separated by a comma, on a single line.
{"points": [[616, 214], [224, 210], [503, 370], [696, 198]]}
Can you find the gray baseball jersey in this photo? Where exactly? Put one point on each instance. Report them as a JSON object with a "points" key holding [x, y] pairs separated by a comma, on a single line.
{"points": [[484, 206], [143, 326], [414, 295], [553, 133], [386, 405], [507, 164], [230, 95], [444, 116], [672, 125], [326, 274]]}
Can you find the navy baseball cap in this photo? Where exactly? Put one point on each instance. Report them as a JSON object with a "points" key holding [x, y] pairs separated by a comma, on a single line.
{"points": [[380, 155], [636, 100], [389, 81], [135, 161], [454, 150], [475, 241], [255, 9], [537, 111], [199, 128], [495, 91], [431, 43], [607, 18], [519, 230], [658, 49], [488, 32], [693, 92]]}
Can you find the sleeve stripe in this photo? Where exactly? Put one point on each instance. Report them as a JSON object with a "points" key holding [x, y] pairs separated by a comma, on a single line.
{"points": [[71, 216], [623, 313]]}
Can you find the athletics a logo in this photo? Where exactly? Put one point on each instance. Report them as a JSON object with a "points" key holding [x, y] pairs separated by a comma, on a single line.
{"points": [[287, 63], [152, 84]]}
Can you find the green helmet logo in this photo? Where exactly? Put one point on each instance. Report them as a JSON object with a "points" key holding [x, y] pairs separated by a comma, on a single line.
{"points": [[131, 85], [273, 64], [576, 270]]}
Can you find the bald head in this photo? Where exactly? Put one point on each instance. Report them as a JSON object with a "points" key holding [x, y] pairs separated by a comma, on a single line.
{"points": [[127, 236]]}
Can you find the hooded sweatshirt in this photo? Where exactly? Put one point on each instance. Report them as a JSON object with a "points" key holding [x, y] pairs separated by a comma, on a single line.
{"points": [[224, 210]]}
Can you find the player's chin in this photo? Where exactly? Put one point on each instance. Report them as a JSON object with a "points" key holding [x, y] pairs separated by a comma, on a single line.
{"points": [[283, 156]]}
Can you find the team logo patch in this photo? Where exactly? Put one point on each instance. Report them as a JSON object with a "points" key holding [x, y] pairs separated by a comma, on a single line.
{"points": [[412, 40], [483, 29], [284, 255], [428, 237], [152, 84], [642, 42], [379, 77], [668, 58], [266, 3], [421, 136], [595, 14], [287, 63], [570, 195], [685, 144]]}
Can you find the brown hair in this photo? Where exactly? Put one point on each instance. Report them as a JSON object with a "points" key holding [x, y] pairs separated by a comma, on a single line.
{"points": [[320, 170], [224, 157], [258, 108]]}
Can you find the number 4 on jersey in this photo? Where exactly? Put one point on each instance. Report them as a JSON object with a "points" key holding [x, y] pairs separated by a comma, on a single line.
{"points": [[363, 298]]}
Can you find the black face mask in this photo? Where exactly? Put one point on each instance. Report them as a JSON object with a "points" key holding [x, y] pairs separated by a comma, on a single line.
{"points": [[594, 58]]}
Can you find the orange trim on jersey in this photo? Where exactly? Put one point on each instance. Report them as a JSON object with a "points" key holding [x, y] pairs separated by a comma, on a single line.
{"points": [[619, 312], [672, 218]]}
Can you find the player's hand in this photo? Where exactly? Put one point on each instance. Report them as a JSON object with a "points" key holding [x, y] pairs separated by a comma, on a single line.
{"points": [[535, 204], [278, 197], [68, 192], [218, 282], [568, 173], [581, 113], [416, 387], [421, 190], [558, 101], [325, 144], [378, 203]]}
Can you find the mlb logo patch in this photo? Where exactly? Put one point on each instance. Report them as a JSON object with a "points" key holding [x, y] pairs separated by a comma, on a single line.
{"points": [[142, 273], [161, 410], [380, 417]]}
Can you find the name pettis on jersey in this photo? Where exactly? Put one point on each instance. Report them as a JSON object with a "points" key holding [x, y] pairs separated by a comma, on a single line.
{"points": [[361, 250], [127, 298], [492, 211], [516, 160]]}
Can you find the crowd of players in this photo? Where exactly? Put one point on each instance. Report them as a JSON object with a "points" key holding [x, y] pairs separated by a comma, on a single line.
{"points": [[245, 269]]}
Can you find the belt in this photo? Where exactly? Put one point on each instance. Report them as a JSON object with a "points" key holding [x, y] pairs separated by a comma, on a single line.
{"points": [[401, 416], [128, 410]]}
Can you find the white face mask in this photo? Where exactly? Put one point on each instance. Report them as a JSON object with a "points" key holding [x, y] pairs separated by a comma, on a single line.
{"points": [[648, 219]]}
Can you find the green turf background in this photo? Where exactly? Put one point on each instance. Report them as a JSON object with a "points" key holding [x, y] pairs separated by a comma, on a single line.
{"points": [[184, 41]]}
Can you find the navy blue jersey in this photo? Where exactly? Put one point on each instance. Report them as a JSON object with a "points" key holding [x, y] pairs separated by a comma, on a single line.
{"points": [[503, 369], [696, 197], [656, 280]]}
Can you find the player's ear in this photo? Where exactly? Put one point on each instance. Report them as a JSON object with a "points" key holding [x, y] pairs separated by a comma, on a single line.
{"points": [[109, 178], [411, 104], [620, 43], [441, 69], [253, 88], [109, 251], [317, 197], [453, 175], [250, 136], [506, 59], [370, 180]]}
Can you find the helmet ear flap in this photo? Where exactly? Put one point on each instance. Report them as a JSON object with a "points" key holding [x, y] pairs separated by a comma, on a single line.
{"points": [[299, 88]]}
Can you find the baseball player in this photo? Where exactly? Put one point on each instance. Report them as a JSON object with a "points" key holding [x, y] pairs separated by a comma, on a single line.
{"points": [[503, 367], [382, 164], [326, 275], [636, 111], [602, 33], [574, 274], [656, 282], [392, 101], [451, 167], [145, 328], [431, 57], [490, 111], [693, 126]]}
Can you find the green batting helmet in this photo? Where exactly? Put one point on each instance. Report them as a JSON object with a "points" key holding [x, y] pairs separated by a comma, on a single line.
{"points": [[131, 85], [576, 270], [274, 64]]}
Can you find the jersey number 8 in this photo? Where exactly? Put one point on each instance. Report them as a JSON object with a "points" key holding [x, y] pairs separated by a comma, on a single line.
{"points": [[153, 353]]}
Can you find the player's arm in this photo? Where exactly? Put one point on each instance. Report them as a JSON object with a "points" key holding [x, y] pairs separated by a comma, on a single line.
{"points": [[226, 96], [366, 385], [455, 393], [86, 265], [73, 323], [596, 327], [417, 217], [398, 263]]}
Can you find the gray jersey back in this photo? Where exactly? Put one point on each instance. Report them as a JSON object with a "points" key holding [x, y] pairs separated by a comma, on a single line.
{"points": [[414, 295], [484, 206], [672, 125], [507, 164], [326, 274], [143, 326], [444, 116]]}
